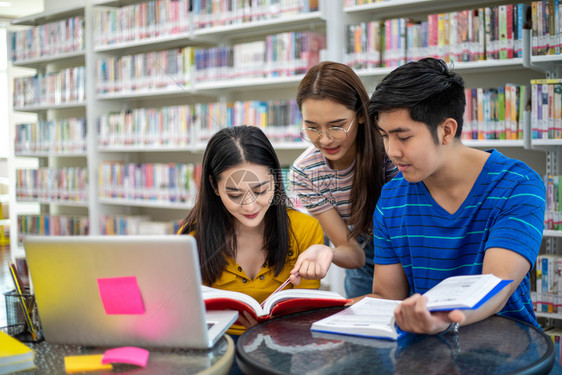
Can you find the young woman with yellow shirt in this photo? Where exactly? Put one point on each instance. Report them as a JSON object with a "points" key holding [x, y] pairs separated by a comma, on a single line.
{"points": [[248, 238]]}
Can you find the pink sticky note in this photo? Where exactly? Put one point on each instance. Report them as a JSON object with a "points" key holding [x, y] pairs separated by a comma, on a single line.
{"points": [[126, 354], [121, 295]]}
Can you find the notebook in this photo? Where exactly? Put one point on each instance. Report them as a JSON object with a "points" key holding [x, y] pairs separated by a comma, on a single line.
{"points": [[122, 291], [14, 355]]}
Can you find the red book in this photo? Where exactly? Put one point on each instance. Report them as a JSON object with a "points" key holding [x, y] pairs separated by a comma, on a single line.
{"points": [[285, 302]]}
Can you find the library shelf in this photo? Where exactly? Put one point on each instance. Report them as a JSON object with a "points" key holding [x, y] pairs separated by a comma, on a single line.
{"points": [[468, 67], [492, 143], [147, 148], [215, 87], [47, 107], [52, 15], [74, 58], [146, 203], [162, 42], [173, 91], [69, 203], [552, 233], [70, 154], [267, 26], [401, 8]]}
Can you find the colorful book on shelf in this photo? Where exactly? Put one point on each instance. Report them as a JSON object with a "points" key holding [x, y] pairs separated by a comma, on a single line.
{"points": [[374, 317], [281, 303], [14, 355]]}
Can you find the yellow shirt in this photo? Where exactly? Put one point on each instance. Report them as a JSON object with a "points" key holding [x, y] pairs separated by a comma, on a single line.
{"points": [[307, 231]]}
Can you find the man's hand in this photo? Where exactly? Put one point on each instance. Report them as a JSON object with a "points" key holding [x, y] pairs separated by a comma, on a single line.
{"points": [[313, 263], [412, 316]]}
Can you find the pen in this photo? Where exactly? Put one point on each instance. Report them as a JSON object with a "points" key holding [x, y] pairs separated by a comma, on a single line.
{"points": [[278, 289], [20, 291]]}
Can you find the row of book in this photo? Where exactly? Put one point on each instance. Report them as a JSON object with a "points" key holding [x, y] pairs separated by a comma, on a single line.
{"points": [[546, 27], [141, 21], [279, 55], [53, 184], [546, 109], [181, 126], [156, 182], [279, 119], [547, 296], [161, 18], [165, 126], [555, 335], [553, 209], [488, 33], [495, 113], [64, 87], [209, 13], [53, 225], [51, 136], [145, 71], [284, 54], [50, 39], [136, 225], [67, 225]]}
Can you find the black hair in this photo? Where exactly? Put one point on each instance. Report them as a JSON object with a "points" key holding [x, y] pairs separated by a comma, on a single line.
{"points": [[210, 222], [427, 88]]}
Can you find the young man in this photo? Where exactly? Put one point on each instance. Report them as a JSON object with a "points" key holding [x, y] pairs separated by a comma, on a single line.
{"points": [[452, 210]]}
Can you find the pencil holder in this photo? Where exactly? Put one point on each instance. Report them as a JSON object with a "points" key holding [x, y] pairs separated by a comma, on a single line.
{"points": [[17, 325]]}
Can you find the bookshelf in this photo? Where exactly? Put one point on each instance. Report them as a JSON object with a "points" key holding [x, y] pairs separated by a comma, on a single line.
{"points": [[211, 97], [47, 64]]}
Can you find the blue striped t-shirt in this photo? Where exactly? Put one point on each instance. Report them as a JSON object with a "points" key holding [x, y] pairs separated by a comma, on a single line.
{"points": [[505, 209]]}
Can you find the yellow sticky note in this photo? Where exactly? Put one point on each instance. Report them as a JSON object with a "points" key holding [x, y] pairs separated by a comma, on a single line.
{"points": [[80, 363]]}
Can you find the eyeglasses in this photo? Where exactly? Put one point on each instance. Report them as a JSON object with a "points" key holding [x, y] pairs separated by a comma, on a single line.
{"points": [[337, 133]]}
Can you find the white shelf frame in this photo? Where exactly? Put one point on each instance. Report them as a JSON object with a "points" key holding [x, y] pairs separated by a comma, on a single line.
{"points": [[146, 203], [77, 9], [77, 57]]}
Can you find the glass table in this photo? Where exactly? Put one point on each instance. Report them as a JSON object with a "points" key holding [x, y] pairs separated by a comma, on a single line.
{"points": [[494, 346], [49, 359]]}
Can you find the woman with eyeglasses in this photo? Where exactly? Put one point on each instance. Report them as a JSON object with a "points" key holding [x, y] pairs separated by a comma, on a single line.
{"points": [[339, 178]]}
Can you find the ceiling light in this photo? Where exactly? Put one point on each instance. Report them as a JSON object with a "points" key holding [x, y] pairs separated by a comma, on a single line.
{"points": [[5, 4]]}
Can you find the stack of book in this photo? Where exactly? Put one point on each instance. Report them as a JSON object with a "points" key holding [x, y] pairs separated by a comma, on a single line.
{"points": [[14, 355]]}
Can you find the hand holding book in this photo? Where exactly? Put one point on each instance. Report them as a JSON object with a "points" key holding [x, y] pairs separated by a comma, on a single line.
{"points": [[374, 317]]}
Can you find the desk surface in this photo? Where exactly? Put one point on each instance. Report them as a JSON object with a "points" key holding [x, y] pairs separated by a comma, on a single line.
{"points": [[496, 345], [49, 359]]}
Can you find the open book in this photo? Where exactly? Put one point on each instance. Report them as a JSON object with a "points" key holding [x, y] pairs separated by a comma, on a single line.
{"points": [[285, 302], [374, 317]]}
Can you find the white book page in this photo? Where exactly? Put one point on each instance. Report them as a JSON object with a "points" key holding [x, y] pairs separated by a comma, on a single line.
{"points": [[370, 315], [460, 291], [209, 293], [287, 294]]}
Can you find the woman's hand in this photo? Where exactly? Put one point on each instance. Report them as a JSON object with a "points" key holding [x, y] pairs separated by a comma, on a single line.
{"points": [[247, 320], [313, 263]]}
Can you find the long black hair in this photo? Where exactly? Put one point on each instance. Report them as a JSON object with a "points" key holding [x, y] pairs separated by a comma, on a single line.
{"points": [[213, 225]]}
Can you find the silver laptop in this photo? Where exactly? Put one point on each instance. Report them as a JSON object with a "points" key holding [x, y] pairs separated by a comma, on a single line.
{"points": [[122, 290]]}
